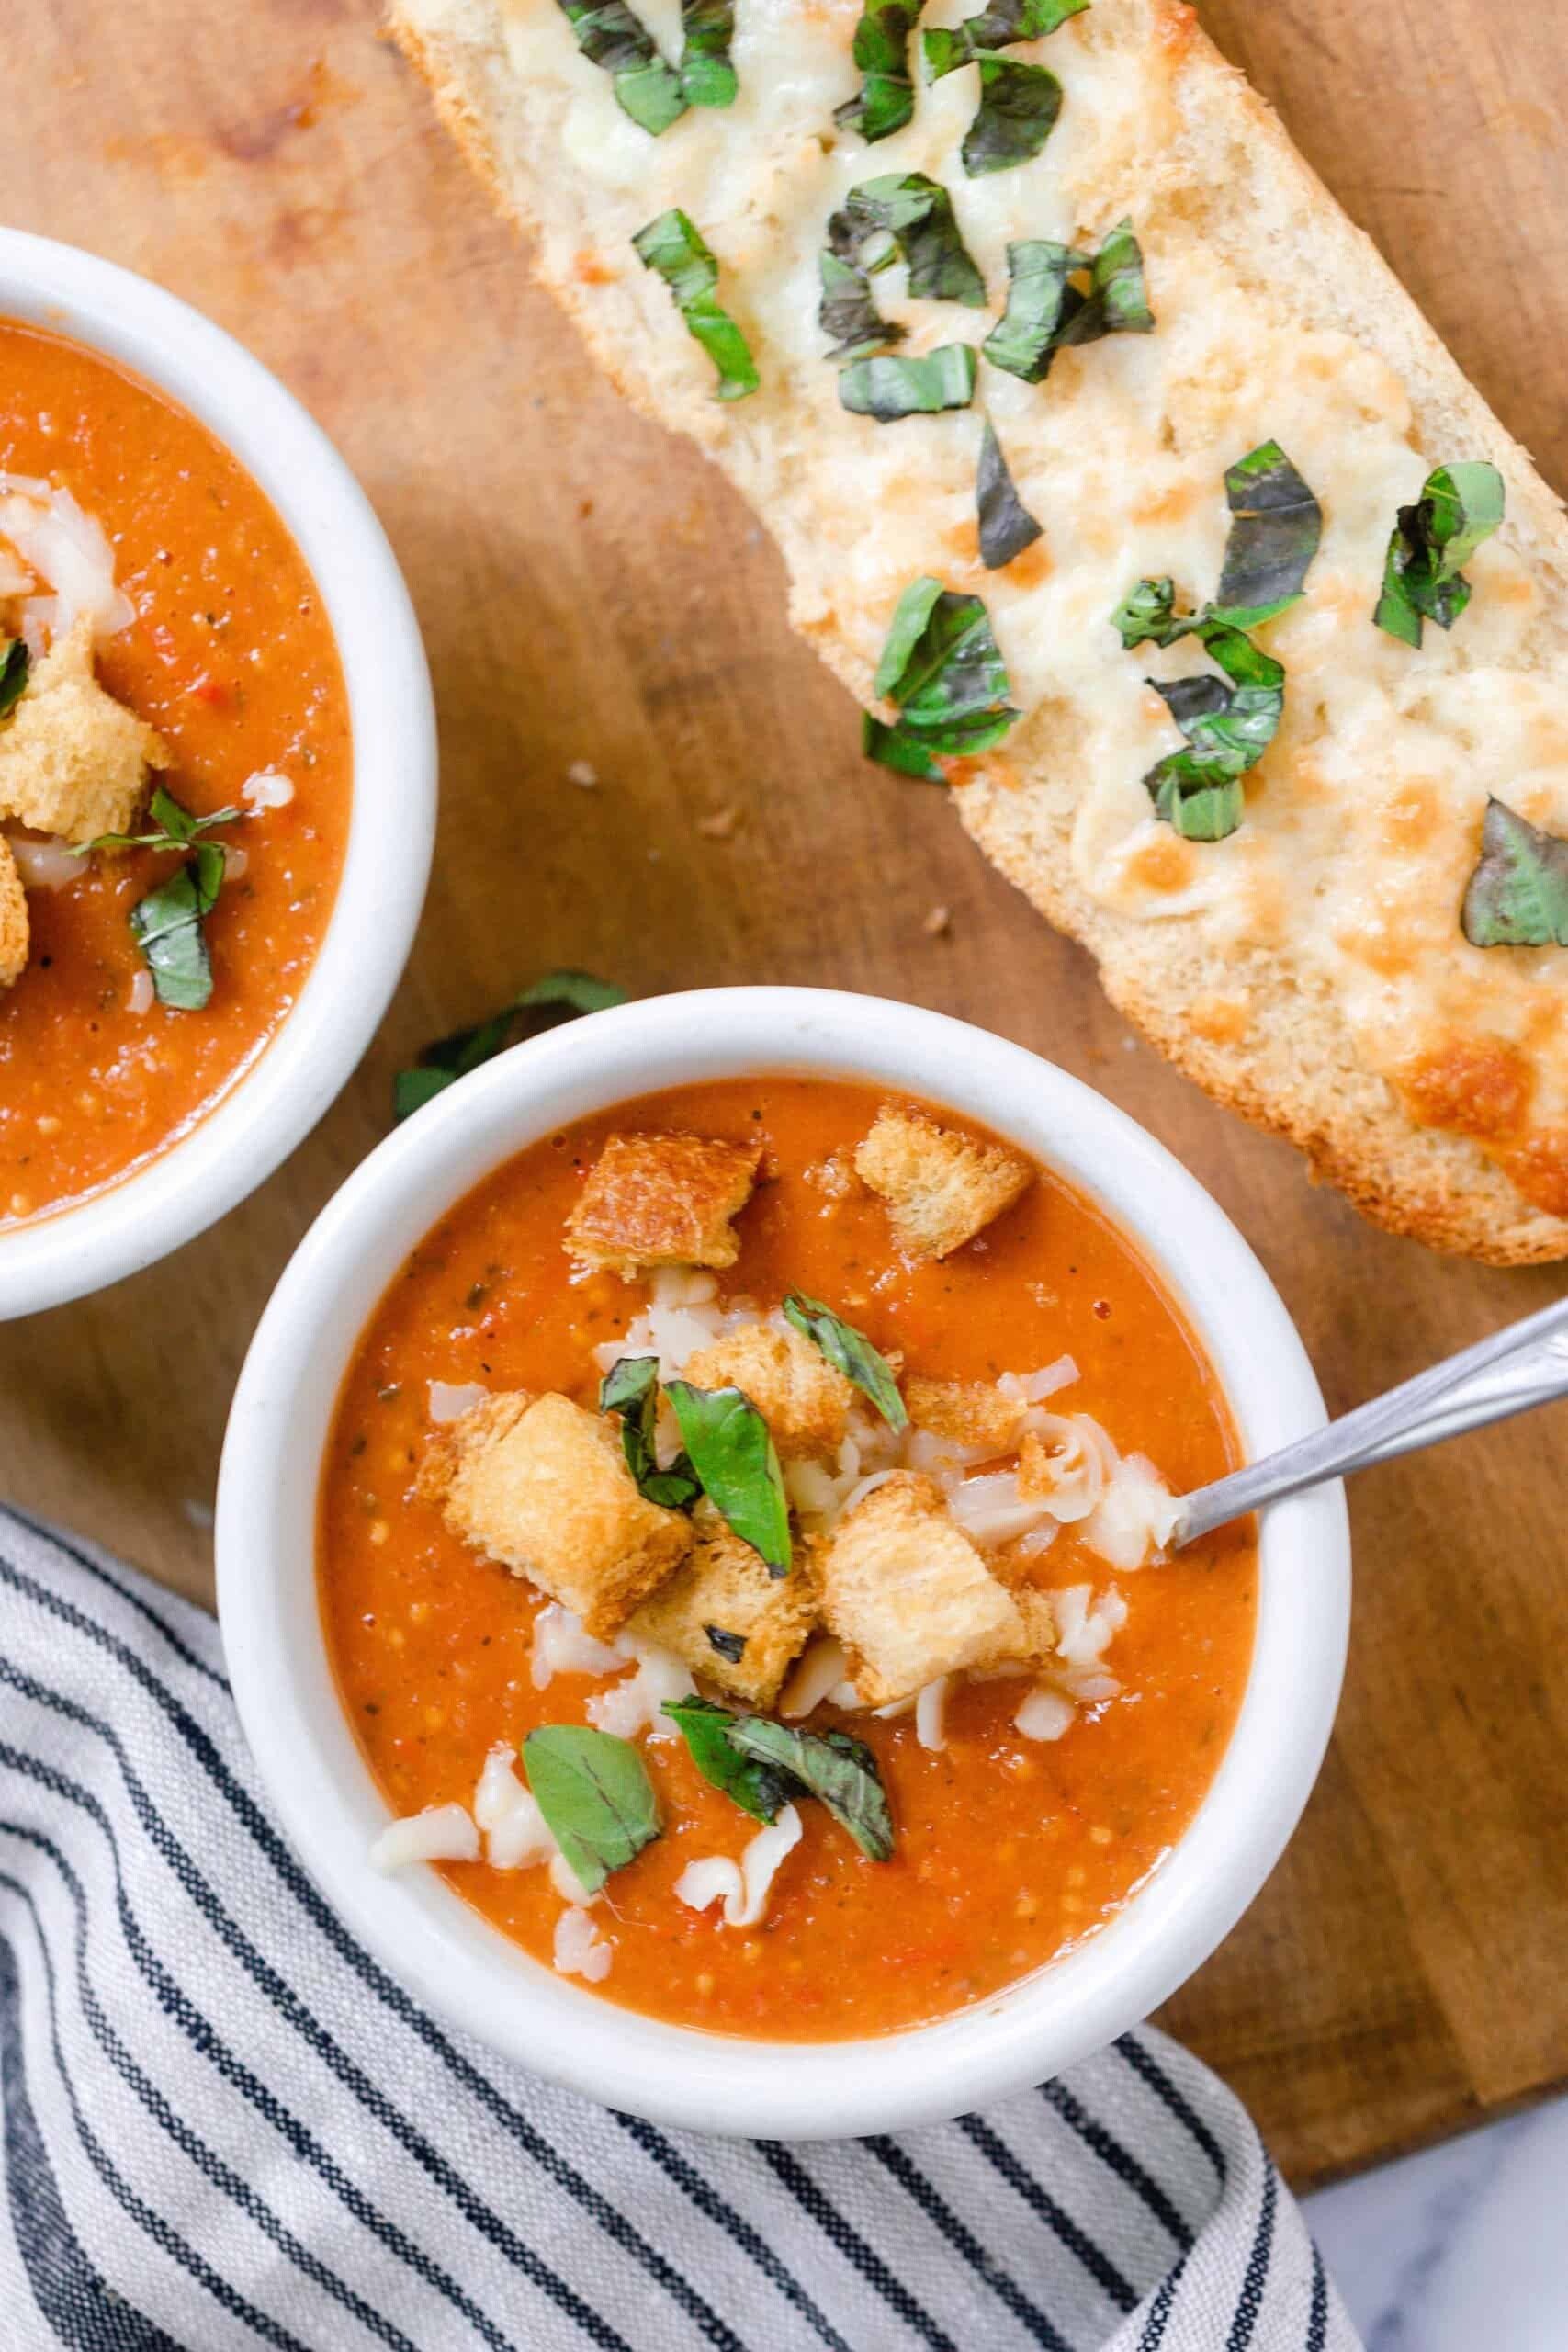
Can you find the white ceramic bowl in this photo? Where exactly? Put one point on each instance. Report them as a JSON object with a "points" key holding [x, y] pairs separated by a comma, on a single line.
{"points": [[445, 1953], [227, 1153]]}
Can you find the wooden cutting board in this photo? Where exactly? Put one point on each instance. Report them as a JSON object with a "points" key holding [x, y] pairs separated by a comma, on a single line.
{"points": [[591, 592]]}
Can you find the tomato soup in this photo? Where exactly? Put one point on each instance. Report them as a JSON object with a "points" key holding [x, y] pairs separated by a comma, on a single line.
{"points": [[1007, 1846], [217, 642]]}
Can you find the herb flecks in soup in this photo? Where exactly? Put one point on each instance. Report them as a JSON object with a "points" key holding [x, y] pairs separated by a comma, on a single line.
{"points": [[741, 1554], [174, 771]]}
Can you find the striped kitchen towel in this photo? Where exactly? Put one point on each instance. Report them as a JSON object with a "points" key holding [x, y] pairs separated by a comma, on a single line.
{"points": [[224, 2124]]}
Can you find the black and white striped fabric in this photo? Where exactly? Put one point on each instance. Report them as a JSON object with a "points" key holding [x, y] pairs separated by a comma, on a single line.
{"points": [[225, 2126]]}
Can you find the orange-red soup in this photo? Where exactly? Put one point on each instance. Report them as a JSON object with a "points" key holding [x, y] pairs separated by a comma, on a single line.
{"points": [[231, 658], [1008, 1851]]}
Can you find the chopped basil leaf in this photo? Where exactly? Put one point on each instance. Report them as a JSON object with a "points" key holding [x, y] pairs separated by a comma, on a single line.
{"points": [[557, 997], [15, 663], [850, 1353], [708, 76], [885, 100], [1459, 506], [1024, 340], [1007, 526], [830, 1766], [166, 926], [673, 246], [609, 35], [1228, 727], [941, 666], [596, 1795], [847, 314], [1018, 111], [1518, 896], [895, 747], [732, 1453], [630, 1390], [726, 1643], [888, 387], [758, 1788], [995, 27], [1274, 536], [1046, 310], [173, 827]]}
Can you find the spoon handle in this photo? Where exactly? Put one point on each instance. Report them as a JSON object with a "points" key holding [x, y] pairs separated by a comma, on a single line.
{"points": [[1525, 1364]]}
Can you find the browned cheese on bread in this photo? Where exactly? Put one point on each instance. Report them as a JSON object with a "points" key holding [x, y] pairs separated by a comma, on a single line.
{"points": [[543, 1487], [1309, 969]]}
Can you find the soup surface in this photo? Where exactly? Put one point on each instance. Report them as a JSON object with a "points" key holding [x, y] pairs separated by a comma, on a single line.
{"points": [[225, 651], [1009, 1849]]}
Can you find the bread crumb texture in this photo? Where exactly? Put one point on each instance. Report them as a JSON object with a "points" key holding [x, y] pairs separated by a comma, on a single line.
{"points": [[1331, 915]]}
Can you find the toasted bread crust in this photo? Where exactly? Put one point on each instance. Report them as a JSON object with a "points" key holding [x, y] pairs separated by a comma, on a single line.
{"points": [[1304, 1081]]}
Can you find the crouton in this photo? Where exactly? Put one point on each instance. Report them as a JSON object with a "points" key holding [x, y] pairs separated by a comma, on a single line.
{"points": [[1033, 1641], [907, 1592], [727, 1618], [543, 1487], [804, 1399], [970, 1412], [940, 1186], [662, 1201], [73, 760], [15, 929]]}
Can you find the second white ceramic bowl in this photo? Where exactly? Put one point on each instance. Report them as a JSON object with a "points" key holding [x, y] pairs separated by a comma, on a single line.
{"points": [[449, 1956], [229, 1151]]}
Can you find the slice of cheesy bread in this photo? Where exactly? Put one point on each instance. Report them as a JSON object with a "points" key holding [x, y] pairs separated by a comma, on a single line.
{"points": [[1309, 968]]}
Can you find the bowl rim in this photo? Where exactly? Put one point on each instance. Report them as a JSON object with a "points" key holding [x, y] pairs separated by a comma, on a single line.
{"points": [[277, 1095], [305, 1750]]}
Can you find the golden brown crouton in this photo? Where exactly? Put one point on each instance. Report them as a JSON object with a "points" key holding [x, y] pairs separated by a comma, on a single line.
{"points": [[73, 760], [907, 1592], [727, 1618], [970, 1412], [804, 1399], [13, 926], [1033, 1639], [662, 1201], [543, 1487], [940, 1186]]}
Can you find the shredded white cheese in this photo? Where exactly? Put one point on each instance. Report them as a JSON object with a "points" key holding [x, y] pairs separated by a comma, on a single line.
{"points": [[442, 1833], [266, 789], [931, 1727], [448, 1400], [560, 1647], [515, 1832], [746, 1885], [578, 1948], [633, 1706]]}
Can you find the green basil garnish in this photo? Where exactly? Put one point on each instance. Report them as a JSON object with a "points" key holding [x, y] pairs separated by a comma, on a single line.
{"points": [[708, 76], [887, 386], [1275, 533], [847, 314], [839, 1771], [1018, 111], [673, 246], [904, 215], [1518, 896], [596, 1795], [557, 997], [995, 27], [1007, 526], [609, 35], [1459, 506], [166, 926], [850, 1353], [725, 1644], [732, 1453], [630, 1390], [15, 663], [941, 666], [1228, 727], [1046, 309], [173, 827], [885, 100], [758, 1788]]}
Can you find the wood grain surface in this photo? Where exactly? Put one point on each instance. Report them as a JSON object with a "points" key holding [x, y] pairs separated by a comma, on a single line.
{"points": [[591, 593]]}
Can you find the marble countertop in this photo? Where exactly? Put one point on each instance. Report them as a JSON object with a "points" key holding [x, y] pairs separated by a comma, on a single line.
{"points": [[1461, 2248]]}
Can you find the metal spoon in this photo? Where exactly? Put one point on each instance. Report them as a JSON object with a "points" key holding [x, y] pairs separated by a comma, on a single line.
{"points": [[1523, 1365]]}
